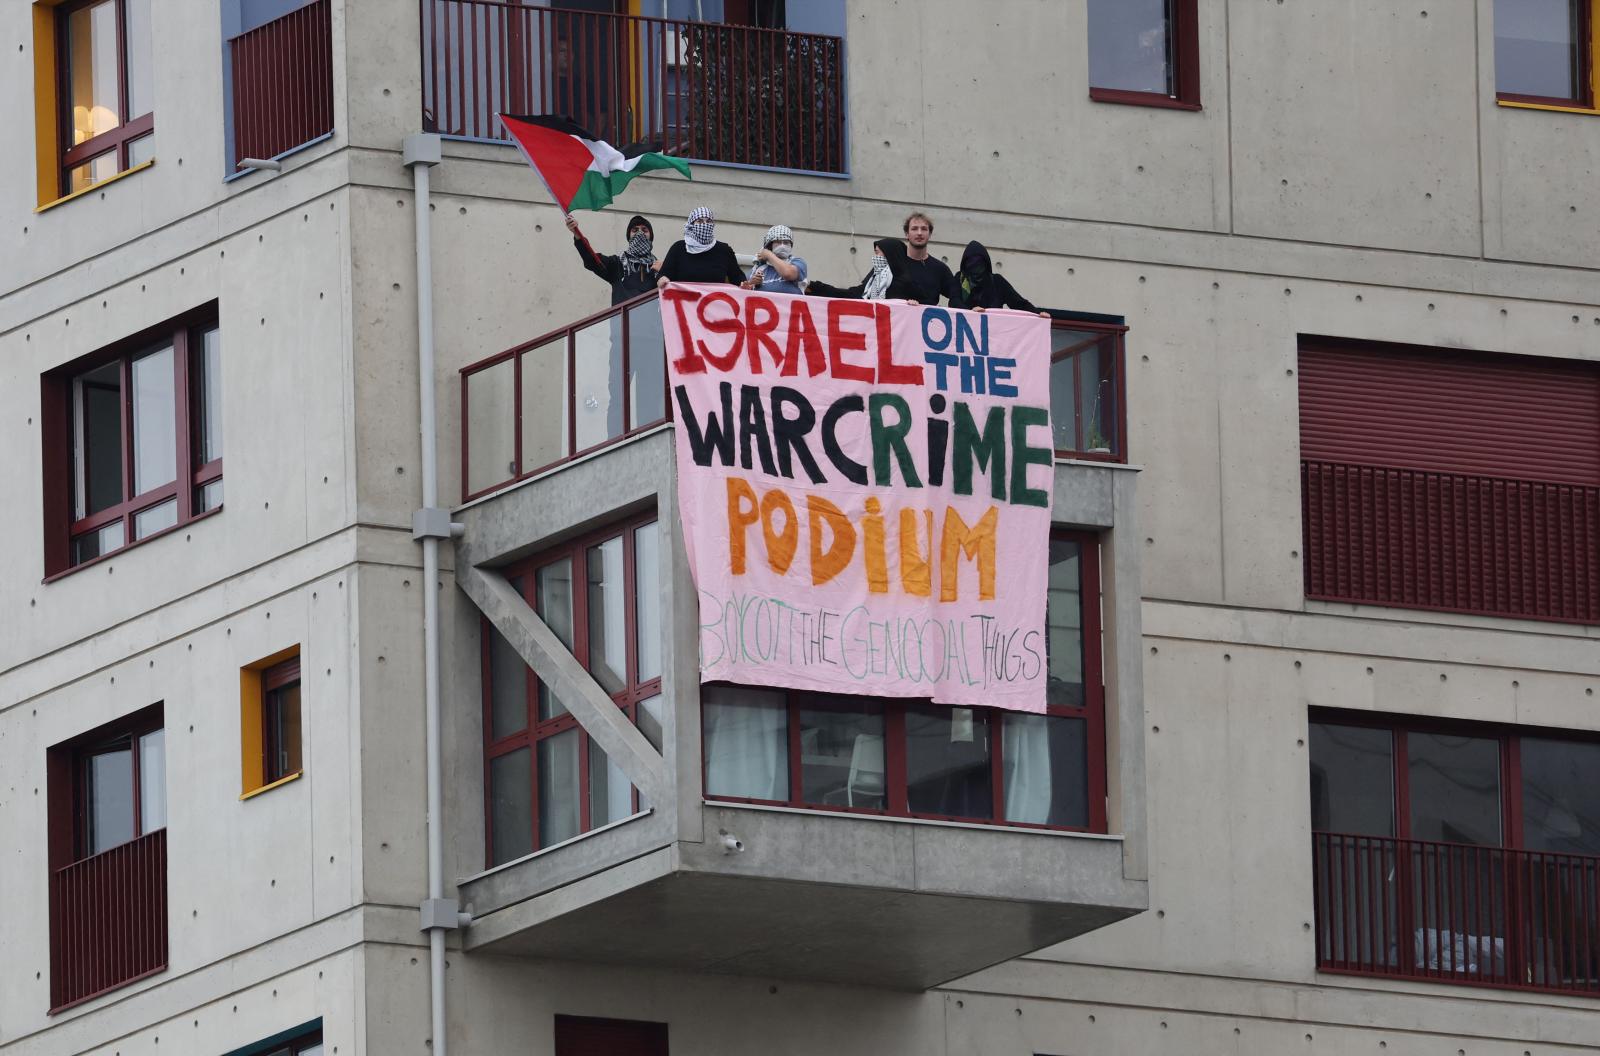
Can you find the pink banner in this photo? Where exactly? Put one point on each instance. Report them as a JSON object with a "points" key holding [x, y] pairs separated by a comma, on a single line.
{"points": [[865, 490]]}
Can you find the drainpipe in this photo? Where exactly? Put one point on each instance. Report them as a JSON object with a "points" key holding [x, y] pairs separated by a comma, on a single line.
{"points": [[429, 526]]}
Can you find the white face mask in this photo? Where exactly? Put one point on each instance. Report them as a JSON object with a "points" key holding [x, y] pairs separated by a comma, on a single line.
{"points": [[782, 250]]}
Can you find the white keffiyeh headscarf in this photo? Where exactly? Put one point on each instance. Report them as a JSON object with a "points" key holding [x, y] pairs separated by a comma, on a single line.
{"points": [[878, 281], [700, 231]]}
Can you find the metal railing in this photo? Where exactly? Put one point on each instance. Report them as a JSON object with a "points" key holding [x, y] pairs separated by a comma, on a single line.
{"points": [[1477, 544], [283, 82], [1450, 912], [712, 92], [108, 919]]}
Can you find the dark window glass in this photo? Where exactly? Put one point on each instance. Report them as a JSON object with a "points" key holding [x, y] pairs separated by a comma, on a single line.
{"points": [[841, 756], [108, 798], [1561, 796], [511, 805], [1130, 45], [1454, 788], [1064, 625], [1352, 780], [98, 442], [508, 681], [1538, 48], [947, 763], [1046, 779], [282, 741]]}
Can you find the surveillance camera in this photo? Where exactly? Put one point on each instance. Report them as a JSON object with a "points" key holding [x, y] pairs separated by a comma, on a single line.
{"points": [[730, 844]]}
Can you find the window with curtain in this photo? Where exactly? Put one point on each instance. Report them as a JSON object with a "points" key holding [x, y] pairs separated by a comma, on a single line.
{"points": [[914, 759], [548, 781]]}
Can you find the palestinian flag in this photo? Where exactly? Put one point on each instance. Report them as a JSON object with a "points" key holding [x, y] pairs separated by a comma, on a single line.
{"points": [[582, 172]]}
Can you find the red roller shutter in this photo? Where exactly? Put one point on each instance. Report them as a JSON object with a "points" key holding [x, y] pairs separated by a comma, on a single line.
{"points": [[1504, 416], [582, 1036], [1450, 480]]}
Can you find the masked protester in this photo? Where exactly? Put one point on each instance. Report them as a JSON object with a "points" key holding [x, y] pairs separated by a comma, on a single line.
{"points": [[978, 287], [777, 268], [631, 273], [698, 256], [888, 279]]}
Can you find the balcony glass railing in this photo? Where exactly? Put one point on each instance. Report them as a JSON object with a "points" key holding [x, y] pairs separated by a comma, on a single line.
{"points": [[1449, 912], [721, 93], [603, 378]]}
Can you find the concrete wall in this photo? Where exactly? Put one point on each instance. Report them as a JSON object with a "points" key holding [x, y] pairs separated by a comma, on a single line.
{"points": [[1350, 174]]}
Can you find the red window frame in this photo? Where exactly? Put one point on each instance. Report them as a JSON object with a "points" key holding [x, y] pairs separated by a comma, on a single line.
{"points": [[894, 711], [68, 780], [1584, 100], [130, 129], [1112, 339], [1183, 44], [534, 731], [186, 335], [1512, 834], [275, 682]]}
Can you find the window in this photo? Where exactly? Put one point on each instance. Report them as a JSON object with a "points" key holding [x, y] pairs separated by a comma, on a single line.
{"points": [[1448, 480], [107, 852], [95, 84], [133, 441], [269, 722], [1145, 52], [908, 759], [547, 781], [1456, 851], [1086, 405], [583, 1036], [1544, 52]]}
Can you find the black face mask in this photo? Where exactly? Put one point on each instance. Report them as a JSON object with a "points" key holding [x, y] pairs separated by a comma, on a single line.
{"points": [[978, 273]]}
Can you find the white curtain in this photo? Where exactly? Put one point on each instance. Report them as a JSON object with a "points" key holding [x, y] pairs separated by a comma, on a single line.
{"points": [[746, 744], [1025, 748]]}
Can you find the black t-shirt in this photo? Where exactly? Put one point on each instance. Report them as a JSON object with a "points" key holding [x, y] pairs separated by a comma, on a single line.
{"points": [[930, 279], [717, 264]]}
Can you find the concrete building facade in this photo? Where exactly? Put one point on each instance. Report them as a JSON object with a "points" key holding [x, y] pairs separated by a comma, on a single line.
{"points": [[1348, 174]]}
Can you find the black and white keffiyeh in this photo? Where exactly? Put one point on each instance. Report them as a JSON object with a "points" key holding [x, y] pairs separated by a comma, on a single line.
{"points": [[700, 231], [639, 254]]}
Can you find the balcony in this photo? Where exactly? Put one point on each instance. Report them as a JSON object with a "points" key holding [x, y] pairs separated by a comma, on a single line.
{"points": [[1451, 541], [108, 920], [282, 83], [728, 94], [876, 842], [602, 379], [1454, 913]]}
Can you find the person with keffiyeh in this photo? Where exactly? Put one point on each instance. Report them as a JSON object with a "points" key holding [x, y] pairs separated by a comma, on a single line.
{"points": [[633, 271], [778, 269], [888, 279], [698, 256]]}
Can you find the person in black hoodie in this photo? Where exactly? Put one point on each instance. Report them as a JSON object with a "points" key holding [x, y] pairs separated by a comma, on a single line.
{"points": [[888, 279], [698, 256], [978, 287], [631, 273]]}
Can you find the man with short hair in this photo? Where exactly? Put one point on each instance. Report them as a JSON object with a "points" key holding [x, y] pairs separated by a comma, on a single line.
{"points": [[927, 275]]}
